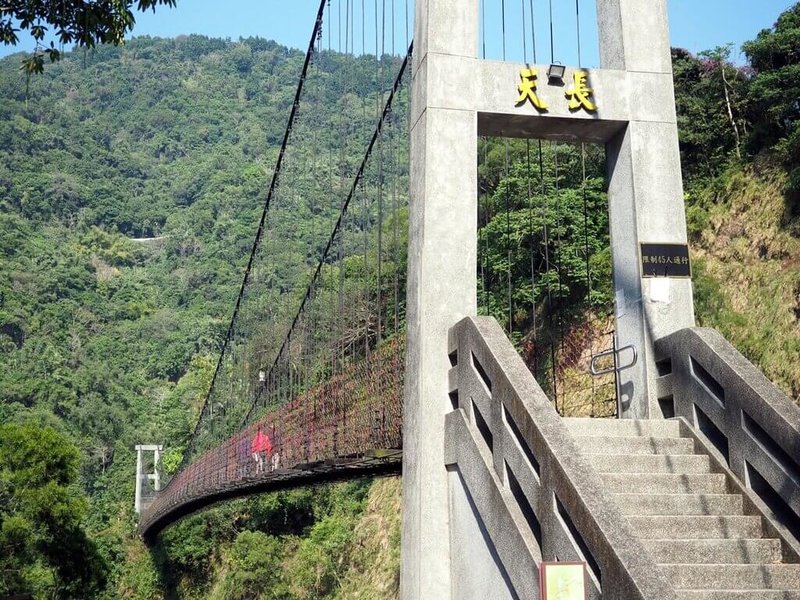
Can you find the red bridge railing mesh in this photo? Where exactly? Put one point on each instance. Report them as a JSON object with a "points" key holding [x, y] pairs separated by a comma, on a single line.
{"points": [[354, 416]]}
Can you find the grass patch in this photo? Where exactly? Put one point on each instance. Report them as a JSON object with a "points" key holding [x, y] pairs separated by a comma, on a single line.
{"points": [[747, 272]]}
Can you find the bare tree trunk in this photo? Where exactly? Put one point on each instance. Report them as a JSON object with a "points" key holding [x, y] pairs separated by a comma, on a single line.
{"points": [[725, 86]]}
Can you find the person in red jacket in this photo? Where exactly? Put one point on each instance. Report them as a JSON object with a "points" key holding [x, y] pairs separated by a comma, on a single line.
{"points": [[261, 447], [255, 449]]}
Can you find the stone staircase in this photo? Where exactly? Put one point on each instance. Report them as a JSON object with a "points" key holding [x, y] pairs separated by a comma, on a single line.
{"points": [[685, 514]]}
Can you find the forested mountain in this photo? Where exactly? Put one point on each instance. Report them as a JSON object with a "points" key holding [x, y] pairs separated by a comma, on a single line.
{"points": [[131, 181]]}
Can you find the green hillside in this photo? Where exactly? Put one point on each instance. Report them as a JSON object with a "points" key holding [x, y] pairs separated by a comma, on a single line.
{"points": [[131, 181]]}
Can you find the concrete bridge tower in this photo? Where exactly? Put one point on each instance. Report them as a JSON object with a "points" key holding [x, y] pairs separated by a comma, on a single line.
{"points": [[146, 483], [455, 98]]}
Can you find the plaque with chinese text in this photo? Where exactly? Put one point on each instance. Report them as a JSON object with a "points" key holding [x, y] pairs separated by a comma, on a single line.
{"points": [[665, 260]]}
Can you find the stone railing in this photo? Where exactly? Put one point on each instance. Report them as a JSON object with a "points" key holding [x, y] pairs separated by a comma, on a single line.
{"points": [[534, 494], [754, 427]]}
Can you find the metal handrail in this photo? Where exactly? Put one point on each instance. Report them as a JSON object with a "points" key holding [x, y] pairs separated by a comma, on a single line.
{"points": [[615, 369]]}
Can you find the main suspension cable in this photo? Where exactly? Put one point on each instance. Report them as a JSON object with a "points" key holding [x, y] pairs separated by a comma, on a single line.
{"points": [[357, 181], [262, 220]]}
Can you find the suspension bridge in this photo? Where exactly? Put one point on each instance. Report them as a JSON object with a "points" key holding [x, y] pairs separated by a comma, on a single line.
{"points": [[583, 418]]}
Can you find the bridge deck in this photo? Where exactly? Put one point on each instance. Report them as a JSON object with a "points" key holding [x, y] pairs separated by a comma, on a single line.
{"points": [[347, 427]]}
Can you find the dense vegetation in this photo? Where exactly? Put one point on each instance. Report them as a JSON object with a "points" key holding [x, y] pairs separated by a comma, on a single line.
{"points": [[727, 112], [130, 184], [740, 147], [132, 180], [84, 24], [44, 546]]}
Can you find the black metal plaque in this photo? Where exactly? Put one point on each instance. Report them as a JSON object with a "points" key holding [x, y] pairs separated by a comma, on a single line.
{"points": [[665, 260]]}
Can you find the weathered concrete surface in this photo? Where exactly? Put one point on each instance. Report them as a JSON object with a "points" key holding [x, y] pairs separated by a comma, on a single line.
{"points": [[473, 547], [645, 191], [521, 467], [757, 427], [442, 288], [697, 521], [454, 97]]}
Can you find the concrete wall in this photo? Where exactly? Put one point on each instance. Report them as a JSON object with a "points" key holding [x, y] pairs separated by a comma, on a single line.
{"points": [[645, 191], [473, 550]]}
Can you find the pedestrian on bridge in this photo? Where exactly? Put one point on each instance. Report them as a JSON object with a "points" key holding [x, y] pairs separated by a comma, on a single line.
{"points": [[276, 445], [242, 457], [261, 448]]}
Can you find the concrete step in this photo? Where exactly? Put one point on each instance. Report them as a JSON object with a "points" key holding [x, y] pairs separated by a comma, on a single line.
{"points": [[733, 577], [733, 552], [737, 595], [651, 463], [665, 483], [634, 445], [679, 504], [693, 527], [623, 427]]}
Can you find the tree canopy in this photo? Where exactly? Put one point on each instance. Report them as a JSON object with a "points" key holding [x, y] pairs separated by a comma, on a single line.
{"points": [[42, 542], [728, 112], [85, 24], [775, 89]]}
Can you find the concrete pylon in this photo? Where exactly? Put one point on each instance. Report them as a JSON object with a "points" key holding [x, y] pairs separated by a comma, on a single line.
{"points": [[139, 502], [442, 286], [455, 98], [645, 191]]}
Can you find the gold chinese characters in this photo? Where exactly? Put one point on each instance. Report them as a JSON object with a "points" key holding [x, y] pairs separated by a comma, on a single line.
{"points": [[527, 89], [579, 95], [580, 92]]}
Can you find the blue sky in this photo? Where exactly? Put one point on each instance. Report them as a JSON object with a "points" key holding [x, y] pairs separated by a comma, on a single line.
{"points": [[694, 24]]}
